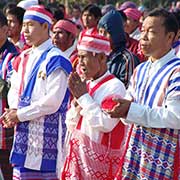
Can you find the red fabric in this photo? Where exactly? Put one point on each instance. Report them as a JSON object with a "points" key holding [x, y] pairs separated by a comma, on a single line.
{"points": [[24, 63]]}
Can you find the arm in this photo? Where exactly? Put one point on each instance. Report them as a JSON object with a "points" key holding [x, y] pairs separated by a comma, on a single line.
{"points": [[94, 114]]}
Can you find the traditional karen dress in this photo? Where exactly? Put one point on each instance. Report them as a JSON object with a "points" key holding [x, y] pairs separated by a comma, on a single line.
{"points": [[7, 54], [153, 144], [94, 149], [37, 148]]}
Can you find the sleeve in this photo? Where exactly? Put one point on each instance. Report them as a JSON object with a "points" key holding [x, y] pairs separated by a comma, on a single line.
{"points": [[56, 88], [94, 114], [13, 93], [165, 116]]}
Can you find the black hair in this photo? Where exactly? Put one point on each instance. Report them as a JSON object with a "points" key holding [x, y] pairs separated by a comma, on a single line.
{"points": [[170, 22], [18, 12], [94, 10], [3, 19], [9, 6]]}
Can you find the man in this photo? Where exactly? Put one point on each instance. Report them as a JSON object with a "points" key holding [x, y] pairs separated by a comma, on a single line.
{"points": [[154, 105], [7, 53], [38, 100], [90, 18], [15, 20], [94, 150], [64, 36], [121, 61]]}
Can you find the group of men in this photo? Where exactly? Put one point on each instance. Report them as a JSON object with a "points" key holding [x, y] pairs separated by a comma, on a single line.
{"points": [[119, 125]]}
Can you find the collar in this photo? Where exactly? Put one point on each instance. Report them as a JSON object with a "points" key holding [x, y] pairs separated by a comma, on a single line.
{"points": [[96, 81], [163, 60], [70, 50], [44, 46]]}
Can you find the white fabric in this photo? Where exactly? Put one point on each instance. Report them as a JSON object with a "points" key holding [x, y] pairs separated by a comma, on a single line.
{"points": [[95, 120], [44, 101], [159, 117], [136, 34], [47, 96], [25, 4]]}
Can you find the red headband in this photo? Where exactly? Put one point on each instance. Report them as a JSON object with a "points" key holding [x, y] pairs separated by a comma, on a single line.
{"points": [[67, 26]]}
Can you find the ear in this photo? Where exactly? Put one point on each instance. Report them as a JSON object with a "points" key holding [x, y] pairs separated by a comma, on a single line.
{"points": [[102, 58], [171, 37], [45, 26]]}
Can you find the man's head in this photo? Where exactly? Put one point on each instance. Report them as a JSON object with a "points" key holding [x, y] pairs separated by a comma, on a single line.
{"points": [[15, 20], [92, 54], [90, 16], [158, 33], [64, 34], [3, 29], [133, 16], [36, 25], [76, 11]]}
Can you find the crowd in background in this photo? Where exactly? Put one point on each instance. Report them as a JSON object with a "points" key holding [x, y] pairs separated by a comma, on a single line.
{"points": [[93, 93]]}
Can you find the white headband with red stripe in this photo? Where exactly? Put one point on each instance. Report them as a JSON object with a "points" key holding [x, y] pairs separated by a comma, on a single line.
{"points": [[94, 43]]}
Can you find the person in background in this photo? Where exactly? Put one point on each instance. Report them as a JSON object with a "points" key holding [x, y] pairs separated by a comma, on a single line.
{"points": [[152, 105], [64, 36], [76, 15], [15, 20], [96, 142], [38, 99], [121, 61], [106, 8], [90, 17], [7, 53], [127, 4], [132, 44], [132, 24]]}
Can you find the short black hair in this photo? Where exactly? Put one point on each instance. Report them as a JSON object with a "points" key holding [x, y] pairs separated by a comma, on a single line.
{"points": [[18, 12], [94, 10], [170, 22], [3, 19], [9, 6]]}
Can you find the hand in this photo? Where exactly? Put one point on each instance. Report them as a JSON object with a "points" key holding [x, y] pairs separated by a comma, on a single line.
{"points": [[76, 85], [9, 118], [121, 109]]}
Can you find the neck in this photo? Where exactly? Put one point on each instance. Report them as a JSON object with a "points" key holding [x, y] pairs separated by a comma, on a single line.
{"points": [[15, 39], [41, 41], [99, 74]]}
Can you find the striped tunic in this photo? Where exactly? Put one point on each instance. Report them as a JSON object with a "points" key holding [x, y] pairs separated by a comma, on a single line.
{"points": [[153, 146]]}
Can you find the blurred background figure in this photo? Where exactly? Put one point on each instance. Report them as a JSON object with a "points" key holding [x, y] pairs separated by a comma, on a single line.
{"points": [[90, 18], [132, 24], [15, 19], [76, 15], [106, 8], [127, 4], [7, 52]]}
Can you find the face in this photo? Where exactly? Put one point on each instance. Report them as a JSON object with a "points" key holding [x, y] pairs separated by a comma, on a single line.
{"points": [[155, 42], [89, 20], [130, 25], [89, 64], [14, 26], [34, 32], [103, 32], [61, 39], [76, 13]]}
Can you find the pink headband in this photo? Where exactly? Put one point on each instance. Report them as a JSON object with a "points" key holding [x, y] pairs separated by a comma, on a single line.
{"points": [[133, 13], [94, 43], [67, 26]]}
